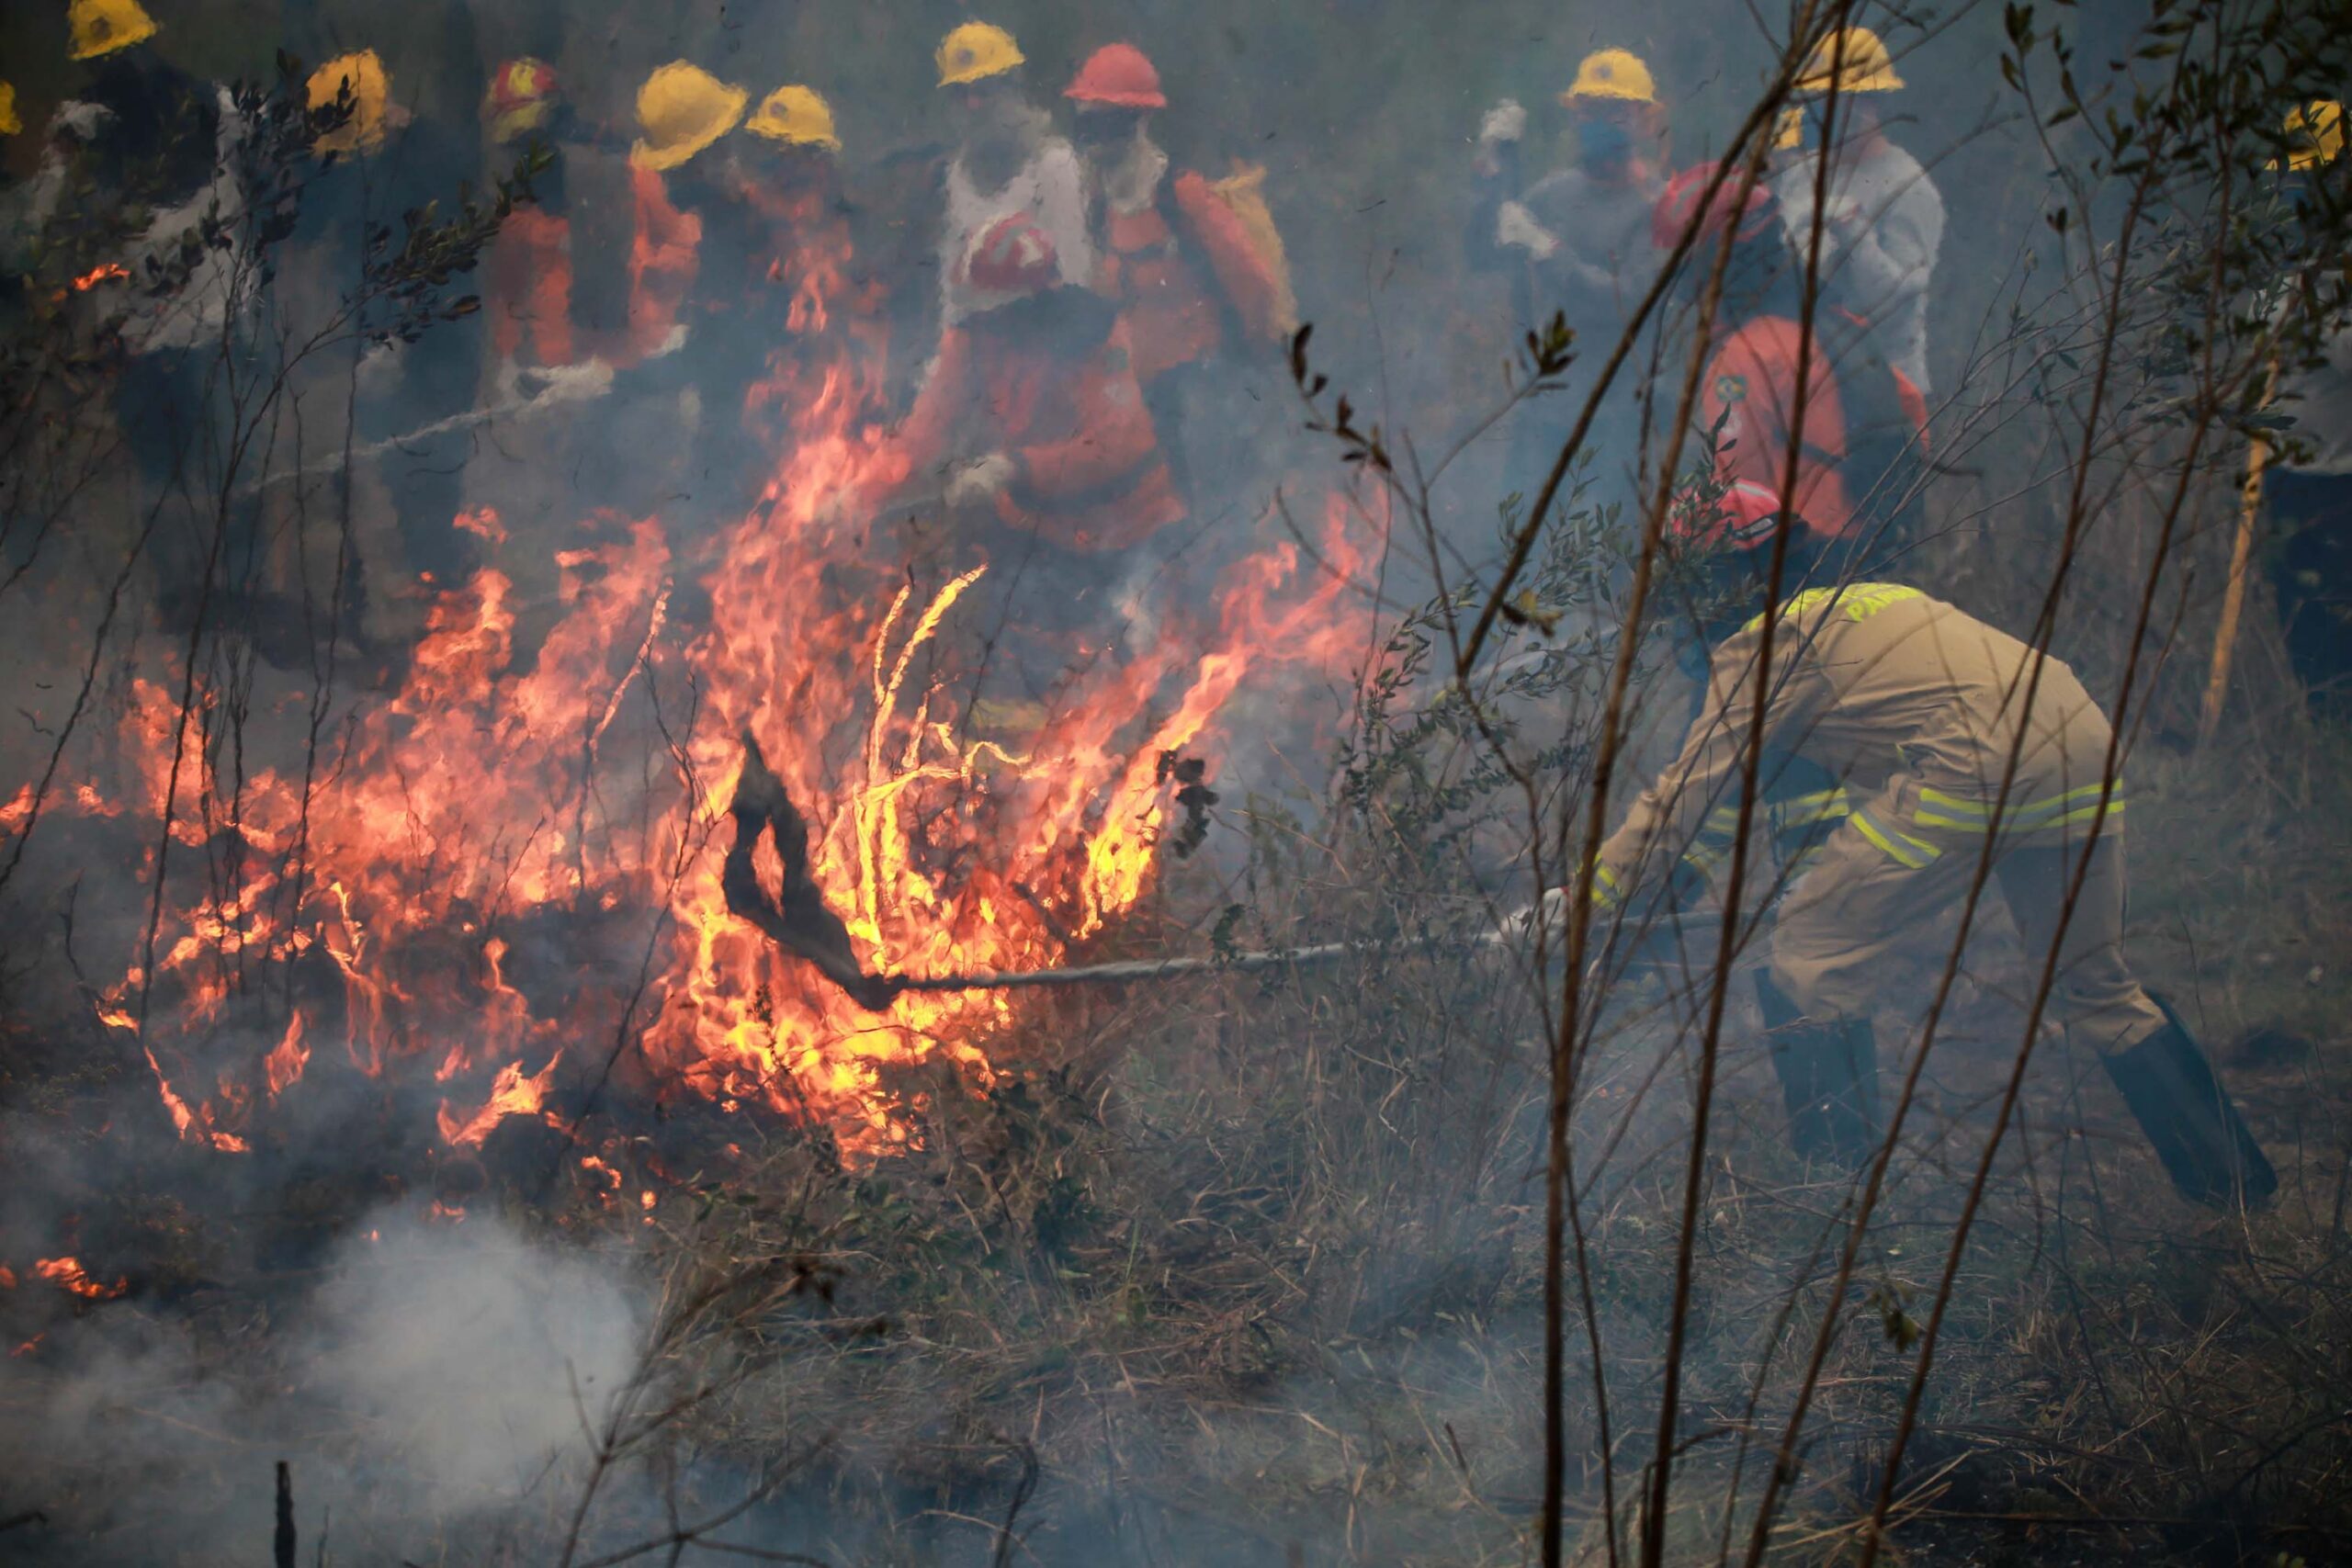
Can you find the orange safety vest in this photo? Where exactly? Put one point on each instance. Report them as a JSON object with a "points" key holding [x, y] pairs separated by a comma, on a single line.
{"points": [[665, 256], [528, 281], [1147, 265], [1090, 475]]}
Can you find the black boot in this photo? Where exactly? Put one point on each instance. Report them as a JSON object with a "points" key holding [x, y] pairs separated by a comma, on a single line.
{"points": [[2169, 1083], [1828, 1071]]}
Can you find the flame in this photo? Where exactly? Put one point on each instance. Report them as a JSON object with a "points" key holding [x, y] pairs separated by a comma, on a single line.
{"points": [[67, 1274], [512, 1095], [569, 781], [7, 1278], [106, 272], [605, 1182], [285, 1064]]}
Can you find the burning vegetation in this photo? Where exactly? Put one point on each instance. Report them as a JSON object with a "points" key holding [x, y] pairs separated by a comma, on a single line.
{"points": [[754, 814]]}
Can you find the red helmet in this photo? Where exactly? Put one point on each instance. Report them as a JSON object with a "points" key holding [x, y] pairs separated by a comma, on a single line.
{"points": [[1743, 519], [521, 95], [1678, 208], [1118, 75], [1013, 255]]}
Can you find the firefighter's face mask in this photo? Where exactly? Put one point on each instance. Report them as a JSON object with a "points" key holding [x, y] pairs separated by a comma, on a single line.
{"points": [[990, 103], [1106, 126]]}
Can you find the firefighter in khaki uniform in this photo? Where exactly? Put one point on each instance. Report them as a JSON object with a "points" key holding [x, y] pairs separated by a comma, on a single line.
{"points": [[1918, 706]]}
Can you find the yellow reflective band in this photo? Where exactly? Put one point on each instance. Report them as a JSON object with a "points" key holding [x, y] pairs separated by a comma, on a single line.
{"points": [[2087, 814], [1809, 810], [2056, 811], [1605, 887], [1953, 803], [1860, 601], [2087, 792], [1910, 853]]}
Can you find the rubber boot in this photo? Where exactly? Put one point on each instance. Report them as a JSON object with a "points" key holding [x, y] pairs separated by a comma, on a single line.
{"points": [[1829, 1072], [2188, 1117]]}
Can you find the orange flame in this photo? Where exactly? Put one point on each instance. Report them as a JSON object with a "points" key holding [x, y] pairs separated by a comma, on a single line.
{"points": [[512, 1095], [67, 1274], [106, 272], [504, 785], [285, 1064]]}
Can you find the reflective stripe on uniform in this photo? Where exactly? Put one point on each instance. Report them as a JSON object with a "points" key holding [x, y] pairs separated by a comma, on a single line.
{"points": [[1809, 810], [1902, 848], [1860, 601], [1937, 809], [1795, 825], [1780, 816]]}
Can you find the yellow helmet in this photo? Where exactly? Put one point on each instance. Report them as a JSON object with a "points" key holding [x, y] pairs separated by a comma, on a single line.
{"points": [[1789, 131], [797, 117], [975, 51], [102, 27], [371, 96], [1617, 73], [9, 123], [1859, 61], [684, 109], [2317, 131]]}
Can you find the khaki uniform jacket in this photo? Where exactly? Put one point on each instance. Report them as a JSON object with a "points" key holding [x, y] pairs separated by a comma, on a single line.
{"points": [[1912, 705]]}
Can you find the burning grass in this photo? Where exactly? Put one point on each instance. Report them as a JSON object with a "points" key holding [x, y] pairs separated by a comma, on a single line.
{"points": [[1250, 1267]]}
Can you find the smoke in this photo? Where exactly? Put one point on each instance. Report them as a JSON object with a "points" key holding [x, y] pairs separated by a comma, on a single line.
{"points": [[432, 1377]]}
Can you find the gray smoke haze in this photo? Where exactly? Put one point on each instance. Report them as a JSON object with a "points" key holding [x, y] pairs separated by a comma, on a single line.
{"points": [[435, 1375]]}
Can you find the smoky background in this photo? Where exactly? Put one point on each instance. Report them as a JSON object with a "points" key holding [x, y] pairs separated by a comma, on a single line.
{"points": [[1304, 1207]]}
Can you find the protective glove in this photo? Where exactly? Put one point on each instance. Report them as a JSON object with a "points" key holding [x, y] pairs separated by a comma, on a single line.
{"points": [[979, 479], [379, 365], [1548, 914], [1514, 225], [78, 121], [1505, 124]]}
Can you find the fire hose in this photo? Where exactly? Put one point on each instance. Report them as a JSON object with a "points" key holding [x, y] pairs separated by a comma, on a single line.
{"points": [[556, 393], [797, 920]]}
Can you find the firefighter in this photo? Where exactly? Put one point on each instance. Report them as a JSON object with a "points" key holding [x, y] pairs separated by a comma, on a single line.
{"points": [[1859, 437], [148, 127], [683, 110], [1578, 241], [1882, 224], [527, 277], [644, 455], [1917, 707], [777, 276], [543, 351], [1009, 161], [378, 163], [2307, 486], [1035, 431], [134, 161], [1173, 254]]}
